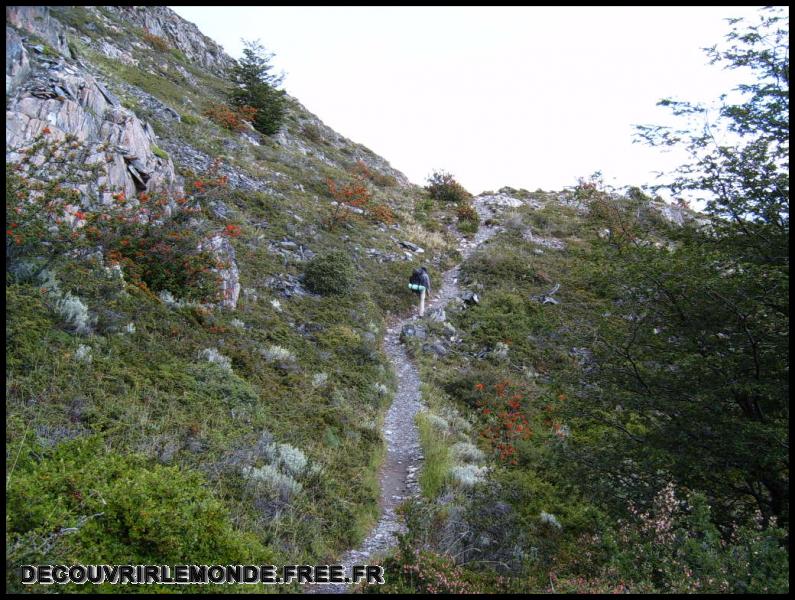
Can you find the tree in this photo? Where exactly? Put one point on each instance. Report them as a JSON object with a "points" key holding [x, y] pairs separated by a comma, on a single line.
{"points": [[257, 87], [747, 183], [691, 354]]}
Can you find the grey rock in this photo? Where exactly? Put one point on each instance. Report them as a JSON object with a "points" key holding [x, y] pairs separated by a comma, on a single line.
{"points": [[449, 330], [409, 331], [470, 298], [137, 177], [437, 315], [195, 445], [583, 356], [177, 32], [90, 115], [305, 253], [287, 285], [112, 100], [230, 276], [115, 53], [39, 21], [501, 200], [220, 209], [546, 242], [413, 247], [437, 348], [17, 61], [547, 298]]}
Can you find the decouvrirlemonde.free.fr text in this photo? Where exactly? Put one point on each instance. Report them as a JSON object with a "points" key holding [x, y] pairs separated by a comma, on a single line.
{"points": [[199, 574]]}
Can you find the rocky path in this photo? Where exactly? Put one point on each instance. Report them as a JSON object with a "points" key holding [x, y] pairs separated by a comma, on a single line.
{"points": [[403, 462]]}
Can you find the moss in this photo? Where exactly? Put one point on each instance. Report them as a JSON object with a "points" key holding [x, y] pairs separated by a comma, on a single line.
{"points": [[189, 119], [159, 153]]}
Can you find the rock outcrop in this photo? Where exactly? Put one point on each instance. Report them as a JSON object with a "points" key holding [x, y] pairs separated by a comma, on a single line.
{"points": [[60, 98], [181, 34], [230, 275], [38, 21]]}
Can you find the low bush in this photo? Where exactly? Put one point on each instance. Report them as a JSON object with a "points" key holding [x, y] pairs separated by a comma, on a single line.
{"points": [[79, 503], [331, 274], [468, 218], [158, 43], [230, 118], [443, 186]]}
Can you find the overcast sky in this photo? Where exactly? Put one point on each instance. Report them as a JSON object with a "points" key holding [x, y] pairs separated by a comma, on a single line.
{"points": [[530, 97]]}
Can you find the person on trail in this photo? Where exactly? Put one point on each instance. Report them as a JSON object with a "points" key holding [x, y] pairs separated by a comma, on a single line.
{"points": [[420, 283]]}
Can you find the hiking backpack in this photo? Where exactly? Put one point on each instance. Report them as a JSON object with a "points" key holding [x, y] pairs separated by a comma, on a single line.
{"points": [[416, 281]]}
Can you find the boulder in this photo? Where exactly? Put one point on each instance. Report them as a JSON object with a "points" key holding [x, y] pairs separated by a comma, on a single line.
{"points": [[437, 315], [72, 102], [220, 246], [470, 298], [437, 348], [413, 247], [410, 331], [38, 20]]}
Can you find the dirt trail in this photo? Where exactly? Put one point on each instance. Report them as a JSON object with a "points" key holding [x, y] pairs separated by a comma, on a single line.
{"points": [[404, 455]]}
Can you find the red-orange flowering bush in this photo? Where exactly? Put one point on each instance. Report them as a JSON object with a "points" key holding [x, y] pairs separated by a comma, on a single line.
{"points": [[350, 195], [157, 251], [231, 118], [157, 42], [381, 213], [507, 421]]}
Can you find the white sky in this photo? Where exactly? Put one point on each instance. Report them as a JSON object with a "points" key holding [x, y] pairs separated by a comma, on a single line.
{"points": [[530, 97]]}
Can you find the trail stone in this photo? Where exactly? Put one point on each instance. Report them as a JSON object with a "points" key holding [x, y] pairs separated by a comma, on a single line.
{"points": [[410, 330], [436, 348], [470, 298]]}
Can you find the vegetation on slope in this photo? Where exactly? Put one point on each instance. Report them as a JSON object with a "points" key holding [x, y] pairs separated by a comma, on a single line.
{"points": [[144, 423], [628, 385]]}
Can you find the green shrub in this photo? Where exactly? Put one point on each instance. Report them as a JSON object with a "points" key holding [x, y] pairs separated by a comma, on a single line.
{"points": [[189, 119], [443, 186], [437, 462], [333, 273], [312, 133], [79, 503], [468, 218]]}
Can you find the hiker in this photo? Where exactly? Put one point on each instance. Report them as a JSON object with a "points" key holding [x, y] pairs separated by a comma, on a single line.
{"points": [[420, 283]]}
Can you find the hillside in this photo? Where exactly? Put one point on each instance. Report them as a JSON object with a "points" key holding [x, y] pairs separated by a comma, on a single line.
{"points": [[213, 356], [190, 395]]}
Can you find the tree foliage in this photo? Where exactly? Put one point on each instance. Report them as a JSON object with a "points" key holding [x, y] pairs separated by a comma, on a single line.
{"points": [[257, 87], [691, 359]]}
